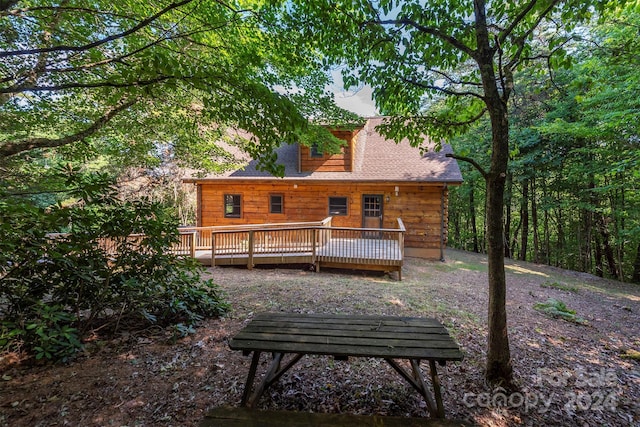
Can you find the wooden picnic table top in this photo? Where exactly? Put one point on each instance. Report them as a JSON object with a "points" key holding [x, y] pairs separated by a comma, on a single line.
{"points": [[348, 335]]}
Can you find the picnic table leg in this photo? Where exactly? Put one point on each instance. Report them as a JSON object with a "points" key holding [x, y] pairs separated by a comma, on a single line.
{"points": [[273, 369], [416, 380], [417, 374], [250, 377], [436, 388]]}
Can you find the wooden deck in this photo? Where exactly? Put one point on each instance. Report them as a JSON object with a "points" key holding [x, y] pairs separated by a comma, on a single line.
{"points": [[316, 243]]}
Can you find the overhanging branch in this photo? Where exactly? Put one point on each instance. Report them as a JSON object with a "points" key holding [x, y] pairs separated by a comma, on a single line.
{"points": [[431, 31], [13, 148], [65, 48], [441, 89], [471, 161]]}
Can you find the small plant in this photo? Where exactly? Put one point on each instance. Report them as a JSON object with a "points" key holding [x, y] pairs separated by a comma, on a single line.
{"points": [[558, 309], [560, 286], [47, 331]]}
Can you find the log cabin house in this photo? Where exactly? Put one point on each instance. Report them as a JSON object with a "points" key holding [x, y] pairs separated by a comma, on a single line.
{"points": [[370, 184]]}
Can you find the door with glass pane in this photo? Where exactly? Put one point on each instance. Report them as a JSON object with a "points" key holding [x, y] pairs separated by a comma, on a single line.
{"points": [[372, 214]]}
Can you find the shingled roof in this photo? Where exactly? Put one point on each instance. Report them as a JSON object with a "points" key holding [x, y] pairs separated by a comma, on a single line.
{"points": [[375, 159]]}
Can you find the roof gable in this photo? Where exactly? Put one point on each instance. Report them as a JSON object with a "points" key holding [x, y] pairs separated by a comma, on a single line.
{"points": [[375, 159]]}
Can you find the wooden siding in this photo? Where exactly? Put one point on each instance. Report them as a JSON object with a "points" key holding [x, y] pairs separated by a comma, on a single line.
{"points": [[341, 162], [419, 206]]}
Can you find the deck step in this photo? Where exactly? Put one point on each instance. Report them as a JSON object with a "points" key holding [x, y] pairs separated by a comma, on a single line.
{"points": [[245, 417]]}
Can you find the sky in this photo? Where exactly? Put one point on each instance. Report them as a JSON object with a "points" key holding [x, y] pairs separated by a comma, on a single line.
{"points": [[359, 102]]}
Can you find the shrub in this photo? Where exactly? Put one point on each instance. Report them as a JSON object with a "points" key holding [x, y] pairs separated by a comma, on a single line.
{"points": [[54, 289]]}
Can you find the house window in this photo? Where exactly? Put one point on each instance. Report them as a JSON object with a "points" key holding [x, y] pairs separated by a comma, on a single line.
{"points": [[337, 206], [314, 151], [276, 204], [232, 205]]}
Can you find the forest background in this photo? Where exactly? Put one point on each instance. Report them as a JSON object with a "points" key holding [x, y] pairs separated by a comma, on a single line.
{"points": [[105, 105]]}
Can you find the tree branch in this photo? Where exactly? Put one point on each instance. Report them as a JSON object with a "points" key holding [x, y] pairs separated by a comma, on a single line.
{"points": [[521, 40], [440, 89], [429, 30], [64, 48], [13, 148], [92, 85], [502, 37], [471, 161]]}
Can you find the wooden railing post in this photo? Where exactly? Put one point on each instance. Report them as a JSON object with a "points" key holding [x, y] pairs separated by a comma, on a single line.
{"points": [[314, 251], [250, 259], [213, 249], [192, 244]]}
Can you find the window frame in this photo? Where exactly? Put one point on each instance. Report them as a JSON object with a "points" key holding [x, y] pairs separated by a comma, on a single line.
{"points": [[281, 204], [314, 152], [233, 205], [333, 212]]}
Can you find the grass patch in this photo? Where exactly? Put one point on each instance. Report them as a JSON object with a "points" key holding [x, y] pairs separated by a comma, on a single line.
{"points": [[558, 309], [460, 265], [631, 354], [560, 286]]}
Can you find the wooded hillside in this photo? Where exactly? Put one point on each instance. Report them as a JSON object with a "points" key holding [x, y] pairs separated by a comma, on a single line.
{"points": [[572, 196]]}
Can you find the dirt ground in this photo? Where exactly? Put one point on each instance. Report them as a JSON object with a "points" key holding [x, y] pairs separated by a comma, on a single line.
{"points": [[569, 373]]}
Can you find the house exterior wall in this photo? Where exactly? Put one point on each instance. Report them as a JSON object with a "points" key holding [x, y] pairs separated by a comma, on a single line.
{"points": [[420, 206], [341, 162]]}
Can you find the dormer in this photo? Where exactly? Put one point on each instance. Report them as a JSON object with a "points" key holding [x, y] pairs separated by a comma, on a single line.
{"points": [[310, 159]]}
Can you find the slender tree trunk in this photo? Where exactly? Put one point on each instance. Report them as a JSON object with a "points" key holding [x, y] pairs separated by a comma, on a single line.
{"points": [[547, 233], [560, 244], [514, 237], [598, 255], [507, 221], [635, 278], [499, 369], [607, 248], [454, 217], [524, 215], [534, 219], [474, 225]]}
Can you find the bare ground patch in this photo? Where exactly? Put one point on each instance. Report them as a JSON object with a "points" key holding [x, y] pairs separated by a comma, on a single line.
{"points": [[569, 374]]}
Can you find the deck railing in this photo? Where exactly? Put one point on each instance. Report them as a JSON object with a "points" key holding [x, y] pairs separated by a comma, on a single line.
{"points": [[315, 242], [226, 240], [184, 246], [379, 246]]}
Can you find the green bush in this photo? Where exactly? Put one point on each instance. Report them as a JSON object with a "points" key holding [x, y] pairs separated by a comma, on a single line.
{"points": [[53, 291], [558, 309]]}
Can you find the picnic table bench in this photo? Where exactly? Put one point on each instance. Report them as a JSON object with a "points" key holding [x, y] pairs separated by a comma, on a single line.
{"points": [[344, 336]]}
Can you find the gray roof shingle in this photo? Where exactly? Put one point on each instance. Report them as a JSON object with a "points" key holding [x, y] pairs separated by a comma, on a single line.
{"points": [[376, 159]]}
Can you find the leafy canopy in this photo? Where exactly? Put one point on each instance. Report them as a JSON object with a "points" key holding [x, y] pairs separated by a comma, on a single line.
{"points": [[125, 76]]}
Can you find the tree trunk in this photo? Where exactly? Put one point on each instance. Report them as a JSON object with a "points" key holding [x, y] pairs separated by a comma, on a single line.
{"points": [[474, 226], [560, 245], [524, 215], [499, 370], [607, 248], [507, 221], [546, 232], [534, 219], [636, 267], [587, 242]]}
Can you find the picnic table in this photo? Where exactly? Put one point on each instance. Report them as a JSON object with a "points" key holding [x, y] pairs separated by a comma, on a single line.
{"points": [[343, 336]]}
